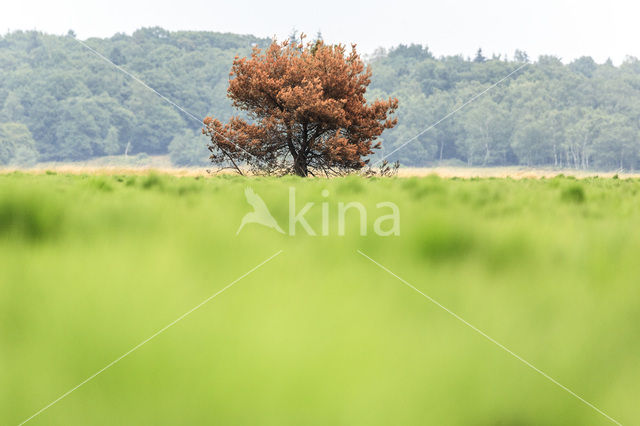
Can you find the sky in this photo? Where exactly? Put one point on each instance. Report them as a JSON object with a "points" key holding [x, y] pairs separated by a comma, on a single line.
{"points": [[566, 28]]}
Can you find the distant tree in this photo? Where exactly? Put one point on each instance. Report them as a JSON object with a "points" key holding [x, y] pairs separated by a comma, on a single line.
{"points": [[155, 126], [111, 144], [479, 56], [309, 111], [379, 53], [187, 149], [413, 51], [584, 65], [17, 145], [520, 56], [617, 144], [487, 134], [415, 114], [117, 57], [532, 142], [294, 37], [582, 133], [13, 109]]}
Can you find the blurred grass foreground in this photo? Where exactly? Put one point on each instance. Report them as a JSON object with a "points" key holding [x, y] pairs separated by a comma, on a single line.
{"points": [[90, 266]]}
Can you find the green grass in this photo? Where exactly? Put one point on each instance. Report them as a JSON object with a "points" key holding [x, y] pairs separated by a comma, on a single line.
{"points": [[90, 266]]}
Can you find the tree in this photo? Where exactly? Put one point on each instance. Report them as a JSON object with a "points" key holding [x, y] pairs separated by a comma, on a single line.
{"points": [[584, 65], [487, 134], [187, 149], [416, 114], [17, 145], [520, 56], [309, 111], [479, 56], [582, 133], [155, 124], [111, 145], [13, 109], [532, 143], [117, 57], [617, 143]]}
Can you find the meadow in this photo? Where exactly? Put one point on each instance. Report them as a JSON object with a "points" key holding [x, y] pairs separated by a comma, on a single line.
{"points": [[92, 265]]}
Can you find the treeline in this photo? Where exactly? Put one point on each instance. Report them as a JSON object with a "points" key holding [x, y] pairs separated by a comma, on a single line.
{"points": [[60, 102], [579, 115]]}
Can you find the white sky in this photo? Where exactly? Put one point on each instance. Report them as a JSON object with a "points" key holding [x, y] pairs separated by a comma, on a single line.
{"points": [[566, 28]]}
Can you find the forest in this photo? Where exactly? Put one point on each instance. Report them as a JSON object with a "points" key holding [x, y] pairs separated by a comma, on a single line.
{"points": [[61, 102]]}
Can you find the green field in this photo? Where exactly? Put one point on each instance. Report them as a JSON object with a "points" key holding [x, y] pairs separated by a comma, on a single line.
{"points": [[91, 266]]}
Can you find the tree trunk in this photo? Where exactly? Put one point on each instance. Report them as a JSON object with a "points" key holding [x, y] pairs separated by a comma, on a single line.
{"points": [[487, 154], [300, 165], [300, 161], [299, 158]]}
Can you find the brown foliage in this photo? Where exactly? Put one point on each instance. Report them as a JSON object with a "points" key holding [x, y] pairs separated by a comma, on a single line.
{"points": [[307, 108]]}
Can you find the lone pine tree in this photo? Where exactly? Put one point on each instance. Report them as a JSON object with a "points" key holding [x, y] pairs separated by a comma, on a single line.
{"points": [[307, 110]]}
